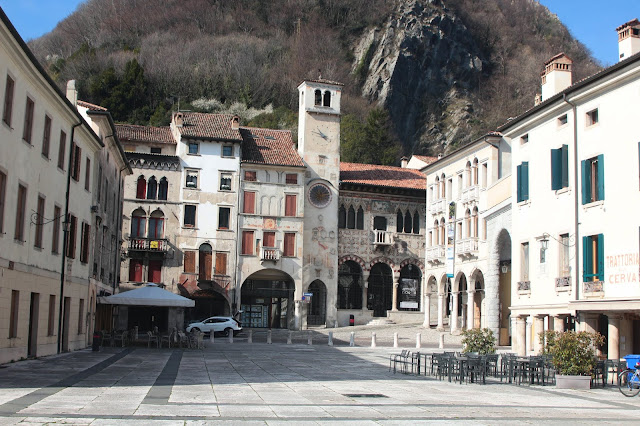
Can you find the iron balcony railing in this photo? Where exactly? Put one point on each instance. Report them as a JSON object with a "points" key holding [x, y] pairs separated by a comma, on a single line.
{"points": [[148, 244], [524, 286], [563, 283]]}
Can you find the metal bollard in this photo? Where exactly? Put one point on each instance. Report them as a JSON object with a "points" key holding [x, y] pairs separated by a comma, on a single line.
{"points": [[250, 338], [331, 338], [310, 340], [373, 339], [335, 324], [441, 344], [352, 339], [395, 340], [289, 339], [231, 336], [418, 340], [268, 337]]}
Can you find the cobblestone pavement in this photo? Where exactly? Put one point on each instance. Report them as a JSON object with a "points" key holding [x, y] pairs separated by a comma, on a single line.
{"points": [[274, 384]]}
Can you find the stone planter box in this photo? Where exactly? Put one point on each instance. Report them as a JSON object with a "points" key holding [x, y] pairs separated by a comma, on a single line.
{"points": [[573, 382]]}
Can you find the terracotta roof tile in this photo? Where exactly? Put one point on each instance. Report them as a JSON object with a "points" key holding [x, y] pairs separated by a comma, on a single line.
{"points": [[370, 174], [324, 81], [209, 126], [427, 159], [134, 133], [91, 107], [269, 147]]}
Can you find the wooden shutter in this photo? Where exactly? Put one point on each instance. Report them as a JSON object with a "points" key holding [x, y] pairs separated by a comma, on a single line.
{"points": [[61, 149], [289, 244], [155, 271], [141, 189], [20, 212], [600, 177], [587, 256], [190, 262], [586, 181], [525, 180], [221, 263], [519, 183], [3, 194], [290, 205], [247, 242], [249, 202], [268, 239], [8, 101], [87, 175], [564, 158], [556, 169], [601, 257], [135, 270], [46, 136]]}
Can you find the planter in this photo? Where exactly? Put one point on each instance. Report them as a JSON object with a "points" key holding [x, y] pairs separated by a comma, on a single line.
{"points": [[573, 382]]}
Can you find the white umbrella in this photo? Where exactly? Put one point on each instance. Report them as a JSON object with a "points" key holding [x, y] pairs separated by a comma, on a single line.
{"points": [[149, 295]]}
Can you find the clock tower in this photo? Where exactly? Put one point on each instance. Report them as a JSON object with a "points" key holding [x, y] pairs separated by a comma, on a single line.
{"points": [[319, 147]]}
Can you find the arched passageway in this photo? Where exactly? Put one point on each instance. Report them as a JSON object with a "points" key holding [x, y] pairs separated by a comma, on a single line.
{"points": [[349, 285], [267, 300], [409, 288], [317, 312], [504, 294], [380, 292]]}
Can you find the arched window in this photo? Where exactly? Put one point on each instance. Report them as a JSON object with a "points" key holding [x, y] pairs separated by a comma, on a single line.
{"points": [[349, 285], [467, 172], [467, 223], [156, 225], [163, 189], [326, 101], [318, 97], [475, 222], [416, 223], [138, 223], [407, 222], [205, 262], [442, 185], [152, 188], [443, 234], [360, 218], [399, 221], [474, 171], [437, 189], [141, 189], [351, 218], [342, 217], [436, 233]]}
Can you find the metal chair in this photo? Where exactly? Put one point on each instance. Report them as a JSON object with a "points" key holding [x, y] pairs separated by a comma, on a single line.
{"points": [[152, 338]]}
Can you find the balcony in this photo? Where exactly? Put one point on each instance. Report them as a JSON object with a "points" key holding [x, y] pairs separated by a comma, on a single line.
{"points": [[470, 194], [382, 238], [435, 254], [269, 253], [148, 244], [593, 287], [438, 206], [467, 247], [524, 287], [563, 284]]}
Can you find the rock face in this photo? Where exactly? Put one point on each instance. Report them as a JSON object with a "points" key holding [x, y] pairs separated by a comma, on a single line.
{"points": [[421, 65]]}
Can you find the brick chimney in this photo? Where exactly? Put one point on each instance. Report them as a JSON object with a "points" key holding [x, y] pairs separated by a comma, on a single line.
{"points": [[72, 93], [628, 39], [556, 75]]}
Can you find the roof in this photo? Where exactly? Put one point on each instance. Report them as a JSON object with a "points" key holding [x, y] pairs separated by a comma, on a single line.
{"points": [[90, 106], [135, 133], [269, 147], [375, 175], [324, 81], [425, 158], [558, 56], [631, 23], [149, 295], [198, 125]]}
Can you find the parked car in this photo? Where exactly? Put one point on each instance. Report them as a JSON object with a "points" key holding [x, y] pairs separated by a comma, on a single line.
{"points": [[223, 325]]}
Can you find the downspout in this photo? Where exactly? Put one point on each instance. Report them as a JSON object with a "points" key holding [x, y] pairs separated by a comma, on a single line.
{"points": [[575, 197], [236, 289], [65, 236]]}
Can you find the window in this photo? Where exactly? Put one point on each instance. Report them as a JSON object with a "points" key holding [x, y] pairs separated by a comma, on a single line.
{"points": [[191, 180], [523, 181], [163, 189], [474, 222], [156, 225], [562, 120], [80, 316], [227, 151], [416, 223], [593, 258], [13, 319], [135, 270], [342, 217], [155, 150], [221, 264], [290, 203], [565, 269], [224, 213], [474, 172], [152, 188], [592, 117], [87, 174], [249, 202], [52, 315], [138, 223], [189, 216], [194, 148], [46, 136], [360, 218], [20, 212], [141, 188], [560, 167], [291, 178], [460, 185], [225, 182], [71, 236], [485, 175], [289, 244], [75, 164], [524, 139], [326, 101], [269, 239], [28, 121], [250, 176], [190, 262], [593, 179], [449, 189], [8, 101], [39, 222], [351, 218], [317, 97], [55, 238], [247, 242], [3, 195], [407, 222], [154, 274], [524, 261], [61, 149]]}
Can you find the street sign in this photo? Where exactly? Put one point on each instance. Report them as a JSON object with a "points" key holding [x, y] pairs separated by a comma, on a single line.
{"points": [[307, 294]]}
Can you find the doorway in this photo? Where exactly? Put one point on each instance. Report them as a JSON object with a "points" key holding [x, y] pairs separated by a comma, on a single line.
{"points": [[380, 296], [318, 306], [32, 340], [65, 324]]}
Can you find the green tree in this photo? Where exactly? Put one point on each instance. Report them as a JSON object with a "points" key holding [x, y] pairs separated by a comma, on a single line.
{"points": [[372, 142]]}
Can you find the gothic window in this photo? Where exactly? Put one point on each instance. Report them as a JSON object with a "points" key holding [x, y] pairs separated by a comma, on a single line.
{"points": [[138, 223], [326, 101], [436, 233], [152, 188], [474, 172], [318, 97], [141, 188], [360, 218], [474, 218], [342, 217], [349, 286], [399, 221], [156, 225], [467, 223], [351, 218], [416, 223], [407, 222], [163, 189]]}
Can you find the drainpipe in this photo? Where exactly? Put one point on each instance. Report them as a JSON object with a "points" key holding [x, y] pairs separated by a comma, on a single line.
{"points": [[575, 197], [65, 236]]}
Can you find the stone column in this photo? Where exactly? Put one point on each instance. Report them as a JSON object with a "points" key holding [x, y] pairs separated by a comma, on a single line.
{"points": [[470, 308], [513, 327], [440, 312], [539, 328], [558, 323], [613, 340], [521, 335], [528, 328], [394, 298], [427, 310], [453, 320], [365, 290]]}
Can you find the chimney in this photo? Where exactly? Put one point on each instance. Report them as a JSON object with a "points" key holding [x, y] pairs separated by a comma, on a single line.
{"points": [[629, 39], [403, 162], [72, 93], [556, 75], [439, 156], [538, 99], [178, 119], [235, 123]]}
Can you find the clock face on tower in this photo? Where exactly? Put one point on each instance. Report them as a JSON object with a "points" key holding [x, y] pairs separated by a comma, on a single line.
{"points": [[319, 195], [323, 137]]}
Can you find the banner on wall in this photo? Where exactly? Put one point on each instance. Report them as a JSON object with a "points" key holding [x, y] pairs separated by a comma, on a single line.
{"points": [[451, 235], [408, 293]]}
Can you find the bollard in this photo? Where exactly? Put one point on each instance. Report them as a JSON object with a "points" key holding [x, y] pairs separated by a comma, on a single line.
{"points": [[331, 338], [268, 337], [231, 337], [373, 339], [310, 340], [441, 344], [250, 338], [289, 339], [418, 340], [211, 338], [395, 340], [352, 339], [335, 324]]}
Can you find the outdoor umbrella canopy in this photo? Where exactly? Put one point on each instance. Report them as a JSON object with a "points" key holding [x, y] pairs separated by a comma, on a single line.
{"points": [[149, 295]]}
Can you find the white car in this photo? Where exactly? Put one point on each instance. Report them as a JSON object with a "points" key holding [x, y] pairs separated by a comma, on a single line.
{"points": [[224, 325]]}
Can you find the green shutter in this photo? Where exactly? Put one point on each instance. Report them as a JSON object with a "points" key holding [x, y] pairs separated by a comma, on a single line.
{"points": [[519, 182], [556, 169], [600, 177], [587, 266], [525, 180], [601, 257], [564, 160], [586, 182]]}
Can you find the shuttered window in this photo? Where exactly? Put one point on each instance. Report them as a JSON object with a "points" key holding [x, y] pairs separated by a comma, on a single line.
{"points": [[155, 271], [593, 258], [560, 167], [523, 181], [71, 239], [268, 239], [290, 205], [62, 149], [46, 136], [39, 222], [84, 242], [593, 179], [20, 212], [3, 194], [135, 270], [190, 262], [289, 244], [205, 265], [87, 175], [249, 202], [221, 263], [28, 121], [55, 239], [247, 242], [8, 101], [75, 161]]}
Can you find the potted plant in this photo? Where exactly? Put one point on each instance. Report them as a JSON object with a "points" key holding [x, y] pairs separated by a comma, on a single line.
{"points": [[573, 355], [480, 341]]}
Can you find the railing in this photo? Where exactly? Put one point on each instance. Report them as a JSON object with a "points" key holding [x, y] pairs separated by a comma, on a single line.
{"points": [[382, 238], [438, 206], [269, 253], [524, 286], [593, 286], [563, 283], [435, 253], [148, 244], [467, 247], [470, 194]]}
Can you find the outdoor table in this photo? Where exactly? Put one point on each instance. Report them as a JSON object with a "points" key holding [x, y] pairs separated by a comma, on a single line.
{"points": [[613, 364]]}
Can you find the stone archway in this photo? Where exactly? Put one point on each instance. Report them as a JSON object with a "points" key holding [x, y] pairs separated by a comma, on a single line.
{"points": [[317, 312], [477, 318], [267, 300], [460, 314], [380, 294]]}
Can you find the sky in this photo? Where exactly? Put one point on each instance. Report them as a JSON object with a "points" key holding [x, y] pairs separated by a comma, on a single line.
{"points": [[593, 22]]}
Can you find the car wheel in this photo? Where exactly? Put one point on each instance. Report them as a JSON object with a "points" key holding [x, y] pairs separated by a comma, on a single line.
{"points": [[228, 331]]}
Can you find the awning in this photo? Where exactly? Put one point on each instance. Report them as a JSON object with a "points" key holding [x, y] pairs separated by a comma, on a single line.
{"points": [[149, 295]]}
